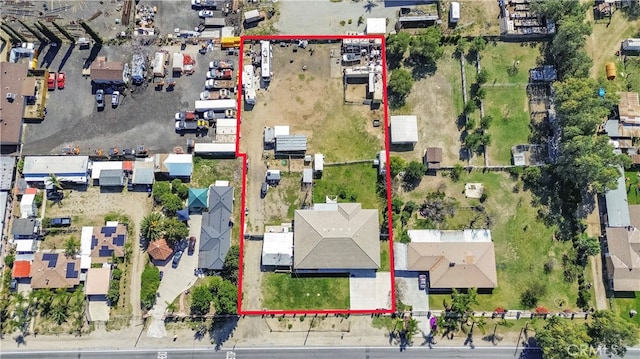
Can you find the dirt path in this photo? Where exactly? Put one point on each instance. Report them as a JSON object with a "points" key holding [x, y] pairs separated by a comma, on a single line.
{"points": [[137, 264], [252, 280], [605, 39], [600, 292]]}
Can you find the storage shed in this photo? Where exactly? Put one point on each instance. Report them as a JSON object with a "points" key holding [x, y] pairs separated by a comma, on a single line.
{"points": [[291, 144], [318, 163], [143, 173], [273, 176], [404, 130], [277, 249], [376, 26], [307, 176], [28, 206], [433, 158], [112, 178], [178, 165], [98, 166]]}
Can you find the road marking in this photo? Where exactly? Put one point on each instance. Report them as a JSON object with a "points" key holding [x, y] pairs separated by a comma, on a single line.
{"points": [[163, 355], [231, 355]]}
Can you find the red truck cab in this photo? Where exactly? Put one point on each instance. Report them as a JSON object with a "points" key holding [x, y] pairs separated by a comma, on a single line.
{"points": [[51, 81]]}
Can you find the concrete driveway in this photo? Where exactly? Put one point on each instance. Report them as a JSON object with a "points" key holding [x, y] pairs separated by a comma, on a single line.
{"points": [[175, 281], [98, 311], [410, 293], [367, 291]]}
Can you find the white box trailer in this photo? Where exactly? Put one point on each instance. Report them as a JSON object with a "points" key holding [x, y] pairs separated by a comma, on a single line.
{"points": [[178, 62], [215, 105], [159, 64], [454, 12], [215, 149], [252, 16]]}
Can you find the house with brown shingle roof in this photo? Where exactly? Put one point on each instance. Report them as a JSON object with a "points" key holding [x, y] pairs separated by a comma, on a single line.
{"points": [[159, 250], [453, 259], [623, 257], [15, 86], [54, 270], [108, 242], [105, 72], [336, 237]]}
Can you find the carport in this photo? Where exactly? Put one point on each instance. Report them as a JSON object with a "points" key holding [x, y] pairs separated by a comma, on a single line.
{"points": [[369, 290]]}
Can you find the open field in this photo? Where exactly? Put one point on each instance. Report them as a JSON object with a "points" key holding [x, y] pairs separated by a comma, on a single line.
{"points": [[357, 181], [509, 63], [437, 101], [509, 109], [283, 200], [283, 291], [522, 243]]}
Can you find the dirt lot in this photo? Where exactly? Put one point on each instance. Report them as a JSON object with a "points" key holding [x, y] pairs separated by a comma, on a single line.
{"points": [[143, 117]]}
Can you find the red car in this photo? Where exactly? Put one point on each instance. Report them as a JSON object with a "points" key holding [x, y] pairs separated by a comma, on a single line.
{"points": [[51, 81], [61, 80]]}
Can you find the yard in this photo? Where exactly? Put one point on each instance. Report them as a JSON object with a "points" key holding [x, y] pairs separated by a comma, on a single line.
{"points": [[286, 292], [622, 306], [633, 187], [511, 122], [523, 244], [350, 183], [509, 63], [283, 200]]}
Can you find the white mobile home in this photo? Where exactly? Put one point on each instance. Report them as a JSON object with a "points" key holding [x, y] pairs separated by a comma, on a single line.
{"points": [[215, 149], [265, 70], [65, 168]]}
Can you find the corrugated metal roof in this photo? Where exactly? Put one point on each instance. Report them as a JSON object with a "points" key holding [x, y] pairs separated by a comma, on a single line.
{"points": [[111, 177], [617, 204], [291, 143], [7, 165]]}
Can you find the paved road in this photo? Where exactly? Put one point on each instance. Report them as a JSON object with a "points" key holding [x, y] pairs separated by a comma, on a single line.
{"points": [[287, 353]]}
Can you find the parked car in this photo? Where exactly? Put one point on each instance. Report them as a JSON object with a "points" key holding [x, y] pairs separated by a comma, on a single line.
{"points": [[60, 222], [14, 284], [100, 98], [422, 281], [62, 78], [51, 81], [115, 98], [176, 259], [55, 196], [205, 13], [192, 245], [264, 189], [196, 3]]}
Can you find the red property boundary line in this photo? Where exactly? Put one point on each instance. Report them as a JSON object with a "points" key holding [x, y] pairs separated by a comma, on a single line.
{"points": [[244, 179]]}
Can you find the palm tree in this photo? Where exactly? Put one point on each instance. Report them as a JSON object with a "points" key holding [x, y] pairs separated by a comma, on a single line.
{"points": [[59, 314], [55, 181], [151, 226], [71, 246]]}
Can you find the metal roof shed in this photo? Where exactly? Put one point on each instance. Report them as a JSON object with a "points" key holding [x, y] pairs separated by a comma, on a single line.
{"points": [[269, 135], [98, 166], [143, 173], [277, 249], [7, 164], [307, 176], [404, 129], [112, 178], [291, 143], [617, 206], [179, 165], [273, 175], [318, 162]]}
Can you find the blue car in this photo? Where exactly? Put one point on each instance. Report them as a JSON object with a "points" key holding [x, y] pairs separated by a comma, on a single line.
{"points": [[176, 259]]}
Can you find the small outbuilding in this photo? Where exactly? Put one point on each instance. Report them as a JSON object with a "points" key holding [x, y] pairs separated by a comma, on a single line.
{"points": [[273, 176], [143, 173], [631, 45], [159, 250], [112, 178], [28, 207], [174, 165], [307, 176], [473, 190], [198, 198], [291, 145], [454, 12], [404, 130], [433, 158], [277, 249], [376, 26], [318, 164]]}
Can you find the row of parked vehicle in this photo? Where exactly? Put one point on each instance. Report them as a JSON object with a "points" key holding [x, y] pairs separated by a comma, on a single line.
{"points": [[56, 79], [115, 99]]}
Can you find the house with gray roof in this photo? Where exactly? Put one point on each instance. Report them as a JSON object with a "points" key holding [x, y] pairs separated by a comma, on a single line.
{"points": [[336, 237], [25, 228], [215, 233], [112, 178]]}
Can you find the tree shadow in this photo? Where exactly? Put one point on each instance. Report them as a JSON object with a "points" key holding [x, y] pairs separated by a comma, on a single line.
{"points": [[420, 71], [221, 330], [66, 57], [95, 50], [429, 340], [53, 50]]}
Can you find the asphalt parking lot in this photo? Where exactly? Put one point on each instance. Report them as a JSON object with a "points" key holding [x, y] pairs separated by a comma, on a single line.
{"points": [[144, 117]]}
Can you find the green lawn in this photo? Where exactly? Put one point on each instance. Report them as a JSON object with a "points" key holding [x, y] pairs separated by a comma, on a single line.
{"points": [[357, 179], [633, 186], [282, 291], [622, 306], [341, 134], [522, 246], [509, 109], [501, 62], [384, 256], [207, 171]]}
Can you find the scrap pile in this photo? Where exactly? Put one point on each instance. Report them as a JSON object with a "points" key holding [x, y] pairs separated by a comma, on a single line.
{"points": [[145, 15], [189, 65]]}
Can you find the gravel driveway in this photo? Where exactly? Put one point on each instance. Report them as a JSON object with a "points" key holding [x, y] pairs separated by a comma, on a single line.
{"points": [[319, 17]]}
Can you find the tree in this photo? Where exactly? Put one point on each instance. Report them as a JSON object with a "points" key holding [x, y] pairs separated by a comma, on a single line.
{"points": [[413, 174], [9, 259], [477, 45], [459, 310], [561, 338], [469, 107], [400, 84], [174, 230], [55, 181], [71, 246], [530, 297], [590, 163], [151, 226], [396, 165], [461, 47], [171, 203], [59, 314], [473, 141], [456, 172], [160, 189], [482, 77], [558, 10], [232, 264], [426, 47], [201, 298], [20, 164], [396, 46], [586, 245], [566, 49], [437, 208], [180, 189], [485, 122], [608, 330], [226, 298], [396, 204], [410, 207]]}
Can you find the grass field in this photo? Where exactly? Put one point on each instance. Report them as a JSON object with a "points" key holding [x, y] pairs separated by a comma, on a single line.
{"points": [[207, 171], [622, 306], [282, 291], [633, 186], [507, 62], [509, 109], [357, 179], [522, 246], [384, 256]]}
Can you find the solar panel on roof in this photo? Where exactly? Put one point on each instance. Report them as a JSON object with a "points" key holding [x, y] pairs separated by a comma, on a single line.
{"points": [[108, 231], [94, 242], [71, 270], [119, 240], [52, 258], [105, 252]]}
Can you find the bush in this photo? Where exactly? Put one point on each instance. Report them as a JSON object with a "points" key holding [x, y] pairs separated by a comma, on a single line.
{"points": [[541, 310], [396, 205], [38, 199], [456, 172], [530, 297], [9, 260], [549, 265], [150, 285], [180, 189], [159, 189], [116, 274], [584, 296]]}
